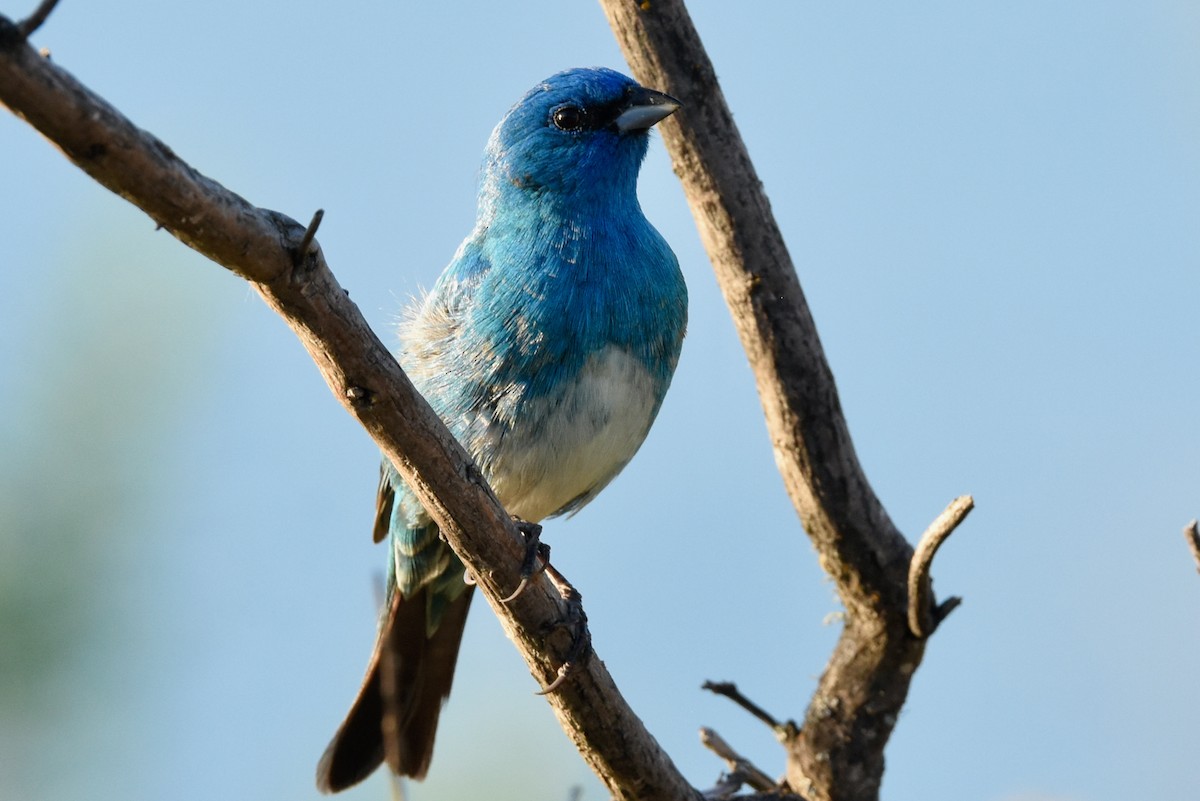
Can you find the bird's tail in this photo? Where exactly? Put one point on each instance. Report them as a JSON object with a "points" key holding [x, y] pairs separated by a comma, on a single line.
{"points": [[394, 717]]}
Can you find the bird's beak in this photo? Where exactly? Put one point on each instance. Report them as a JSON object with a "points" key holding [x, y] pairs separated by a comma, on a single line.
{"points": [[643, 108]]}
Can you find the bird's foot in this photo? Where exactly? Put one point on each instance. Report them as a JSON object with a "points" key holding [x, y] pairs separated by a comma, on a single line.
{"points": [[536, 562], [534, 548], [576, 621]]}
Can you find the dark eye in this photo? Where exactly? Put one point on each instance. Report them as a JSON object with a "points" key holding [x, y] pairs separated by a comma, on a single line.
{"points": [[569, 118]]}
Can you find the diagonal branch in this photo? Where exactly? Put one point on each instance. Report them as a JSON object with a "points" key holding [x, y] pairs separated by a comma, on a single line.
{"points": [[839, 752], [285, 265], [731, 691], [742, 769]]}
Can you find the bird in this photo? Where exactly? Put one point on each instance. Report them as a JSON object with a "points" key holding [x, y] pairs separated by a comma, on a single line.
{"points": [[546, 346]]}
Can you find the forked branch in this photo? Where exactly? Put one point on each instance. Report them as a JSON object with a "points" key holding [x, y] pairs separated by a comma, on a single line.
{"points": [[838, 753]]}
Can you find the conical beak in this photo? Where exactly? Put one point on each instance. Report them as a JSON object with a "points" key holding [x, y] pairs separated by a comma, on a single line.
{"points": [[644, 108]]}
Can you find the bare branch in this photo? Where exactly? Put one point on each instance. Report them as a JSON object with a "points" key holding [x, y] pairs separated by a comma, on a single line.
{"points": [[730, 691], [27, 26], [945, 608], [741, 767], [861, 693], [261, 246], [305, 247], [1191, 532], [921, 614]]}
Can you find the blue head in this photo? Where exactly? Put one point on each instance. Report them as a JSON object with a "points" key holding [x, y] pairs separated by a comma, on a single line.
{"points": [[579, 134]]}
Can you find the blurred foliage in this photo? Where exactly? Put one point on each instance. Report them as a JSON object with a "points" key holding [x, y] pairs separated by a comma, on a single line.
{"points": [[92, 379]]}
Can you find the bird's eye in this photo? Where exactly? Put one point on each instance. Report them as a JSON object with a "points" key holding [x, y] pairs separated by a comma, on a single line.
{"points": [[569, 118]]}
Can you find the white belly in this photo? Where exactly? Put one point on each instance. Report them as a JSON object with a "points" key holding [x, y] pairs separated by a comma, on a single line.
{"points": [[567, 446]]}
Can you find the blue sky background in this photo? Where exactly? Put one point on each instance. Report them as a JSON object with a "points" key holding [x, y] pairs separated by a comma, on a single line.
{"points": [[995, 213]]}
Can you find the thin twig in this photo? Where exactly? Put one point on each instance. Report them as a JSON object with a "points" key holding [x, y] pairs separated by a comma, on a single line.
{"points": [[742, 767], [1191, 532], [730, 691], [783, 730], [310, 233], [921, 619], [27, 26], [945, 608]]}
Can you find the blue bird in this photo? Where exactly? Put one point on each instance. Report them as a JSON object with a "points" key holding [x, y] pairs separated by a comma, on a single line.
{"points": [[546, 346]]}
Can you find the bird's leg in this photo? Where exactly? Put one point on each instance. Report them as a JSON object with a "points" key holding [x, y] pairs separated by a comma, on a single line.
{"points": [[534, 548], [576, 621]]}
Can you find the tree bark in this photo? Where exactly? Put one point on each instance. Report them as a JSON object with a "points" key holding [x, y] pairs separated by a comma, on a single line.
{"points": [[838, 752]]}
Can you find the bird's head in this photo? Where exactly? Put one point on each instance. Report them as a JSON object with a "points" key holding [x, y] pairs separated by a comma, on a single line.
{"points": [[576, 136]]}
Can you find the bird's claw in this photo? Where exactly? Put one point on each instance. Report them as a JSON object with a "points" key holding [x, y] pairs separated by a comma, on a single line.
{"points": [[530, 566], [576, 620], [561, 676], [536, 562]]}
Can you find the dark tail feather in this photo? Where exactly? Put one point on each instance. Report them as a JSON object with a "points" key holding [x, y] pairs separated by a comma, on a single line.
{"points": [[419, 671]]}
